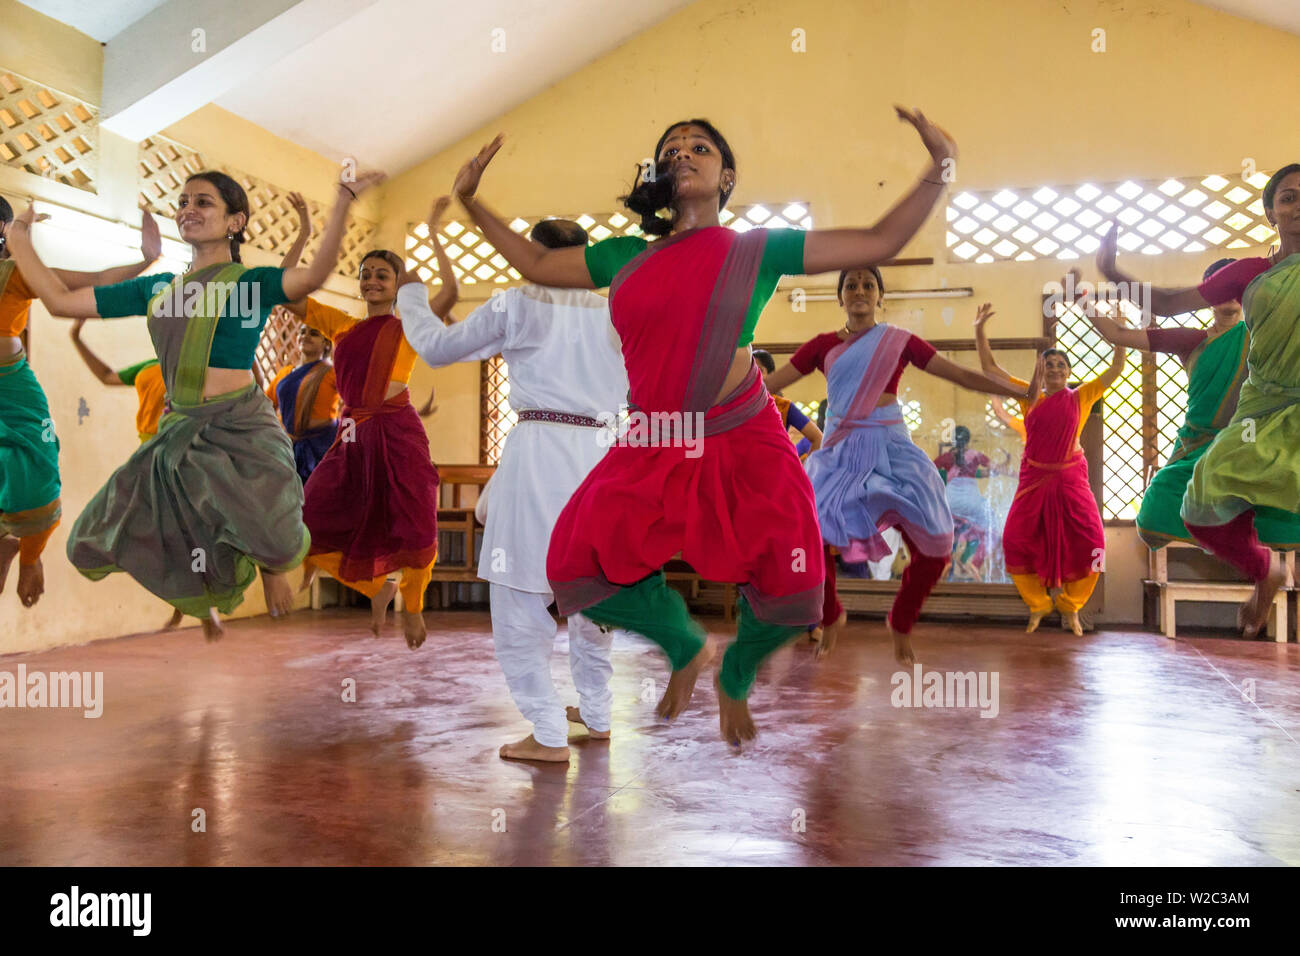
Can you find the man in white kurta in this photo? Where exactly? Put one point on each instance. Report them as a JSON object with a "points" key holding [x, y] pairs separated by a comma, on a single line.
{"points": [[565, 370]]}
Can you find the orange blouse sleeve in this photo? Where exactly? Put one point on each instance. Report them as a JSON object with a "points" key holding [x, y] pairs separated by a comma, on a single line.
{"points": [[1089, 394], [327, 398], [275, 383], [327, 320]]}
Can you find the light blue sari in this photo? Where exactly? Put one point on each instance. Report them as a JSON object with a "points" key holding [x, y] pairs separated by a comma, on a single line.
{"points": [[869, 476]]}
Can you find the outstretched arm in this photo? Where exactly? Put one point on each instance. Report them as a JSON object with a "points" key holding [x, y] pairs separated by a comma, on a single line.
{"points": [[813, 434], [1163, 301], [304, 231], [783, 378], [829, 250], [564, 268], [301, 281], [481, 336], [1107, 378], [1117, 334], [41, 279], [93, 362], [150, 250], [975, 381]]}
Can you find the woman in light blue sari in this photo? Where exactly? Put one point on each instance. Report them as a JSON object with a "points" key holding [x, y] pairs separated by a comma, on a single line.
{"points": [[868, 475]]}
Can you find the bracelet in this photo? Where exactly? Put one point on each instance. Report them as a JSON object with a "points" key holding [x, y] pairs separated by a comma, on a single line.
{"points": [[345, 186]]}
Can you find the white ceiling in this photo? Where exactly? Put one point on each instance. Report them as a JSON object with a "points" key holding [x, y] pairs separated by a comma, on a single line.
{"points": [[101, 19], [1283, 14], [403, 79]]}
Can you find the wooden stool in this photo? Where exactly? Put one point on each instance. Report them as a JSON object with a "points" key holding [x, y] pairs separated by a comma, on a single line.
{"points": [[1218, 592]]}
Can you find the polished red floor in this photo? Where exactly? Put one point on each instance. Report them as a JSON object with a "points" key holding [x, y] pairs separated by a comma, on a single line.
{"points": [[1112, 749]]}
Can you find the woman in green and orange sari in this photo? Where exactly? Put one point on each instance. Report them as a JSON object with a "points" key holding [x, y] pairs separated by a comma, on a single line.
{"points": [[1250, 472], [29, 449], [198, 510]]}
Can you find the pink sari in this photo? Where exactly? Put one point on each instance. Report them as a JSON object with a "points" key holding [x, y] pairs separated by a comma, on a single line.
{"points": [[1054, 529]]}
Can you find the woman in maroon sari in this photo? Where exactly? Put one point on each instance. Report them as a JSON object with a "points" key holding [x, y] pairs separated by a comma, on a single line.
{"points": [[372, 501], [705, 468]]}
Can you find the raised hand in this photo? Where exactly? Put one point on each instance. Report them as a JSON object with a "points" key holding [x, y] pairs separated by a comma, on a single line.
{"points": [[984, 313], [434, 221], [1036, 382], [1107, 250], [363, 181], [937, 141], [467, 179], [150, 238], [304, 214]]}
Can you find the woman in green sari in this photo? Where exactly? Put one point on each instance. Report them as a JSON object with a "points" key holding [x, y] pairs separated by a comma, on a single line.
{"points": [[195, 513], [1248, 476], [1215, 361]]}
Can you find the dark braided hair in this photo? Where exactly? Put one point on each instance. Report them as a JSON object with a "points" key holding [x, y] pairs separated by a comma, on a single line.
{"points": [[236, 200], [764, 358], [558, 233], [1215, 266], [647, 198]]}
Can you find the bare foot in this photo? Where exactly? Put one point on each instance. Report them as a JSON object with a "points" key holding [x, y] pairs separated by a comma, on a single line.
{"points": [[309, 572], [815, 635], [414, 631], [530, 749], [212, 629], [174, 621], [682, 684], [1035, 618], [278, 592], [379, 606], [733, 717], [8, 551], [902, 645], [1258, 607], [831, 635], [575, 717], [1070, 622], [31, 582]]}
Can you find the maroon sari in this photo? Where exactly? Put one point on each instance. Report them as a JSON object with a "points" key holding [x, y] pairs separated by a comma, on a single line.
{"points": [[738, 507], [374, 496]]}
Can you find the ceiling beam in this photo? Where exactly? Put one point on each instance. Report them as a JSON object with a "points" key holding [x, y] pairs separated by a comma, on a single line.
{"points": [[186, 53]]}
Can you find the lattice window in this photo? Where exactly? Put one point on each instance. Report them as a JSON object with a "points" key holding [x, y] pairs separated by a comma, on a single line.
{"points": [[808, 408], [1142, 410], [497, 417], [47, 133], [912, 414], [1065, 222], [991, 419], [477, 262], [272, 224], [278, 345]]}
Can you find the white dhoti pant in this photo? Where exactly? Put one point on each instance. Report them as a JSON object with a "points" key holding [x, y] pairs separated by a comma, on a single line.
{"points": [[524, 634]]}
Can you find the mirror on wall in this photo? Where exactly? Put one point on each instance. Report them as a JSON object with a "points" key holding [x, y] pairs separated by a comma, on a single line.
{"points": [[978, 455]]}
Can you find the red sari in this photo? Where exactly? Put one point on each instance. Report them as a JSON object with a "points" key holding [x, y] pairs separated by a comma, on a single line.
{"points": [[374, 496], [1053, 529], [738, 508]]}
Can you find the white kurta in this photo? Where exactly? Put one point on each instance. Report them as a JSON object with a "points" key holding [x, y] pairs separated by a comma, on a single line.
{"points": [[562, 354]]}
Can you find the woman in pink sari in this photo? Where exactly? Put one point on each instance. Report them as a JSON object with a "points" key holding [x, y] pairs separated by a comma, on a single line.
{"points": [[1054, 536], [714, 476]]}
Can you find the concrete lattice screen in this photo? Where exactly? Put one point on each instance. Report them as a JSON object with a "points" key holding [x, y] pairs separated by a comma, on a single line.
{"points": [[47, 133]]}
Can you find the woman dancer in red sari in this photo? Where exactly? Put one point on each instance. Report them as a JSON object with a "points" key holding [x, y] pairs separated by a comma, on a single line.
{"points": [[1054, 537], [725, 489]]}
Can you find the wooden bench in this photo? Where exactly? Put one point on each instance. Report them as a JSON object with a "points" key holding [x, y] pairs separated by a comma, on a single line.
{"points": [[1217, 592]]}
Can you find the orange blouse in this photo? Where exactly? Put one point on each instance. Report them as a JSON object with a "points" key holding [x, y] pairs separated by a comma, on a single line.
{"points": [[15, 300], [335, 323]]}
